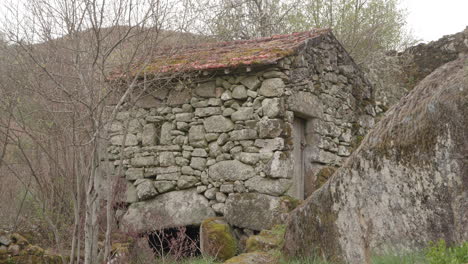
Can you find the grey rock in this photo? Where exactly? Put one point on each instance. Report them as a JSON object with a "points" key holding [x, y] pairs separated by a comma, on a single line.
{"points": [[280, 166], [166, 137], [164, 186], [143, 161], [148, 137], [305, 103], [218, 124], [251, 82], [239, 92], [166, 159], [272, 107], [198, 163], [221, 197], [171, 209], [275, 74], [173, 176], [184, 117], [134, 173], [222, 139], [231, 170], [186, 182], [211, 136], [211, 193], [219, 208], [5, 240], [199, 152], [146, 190], [272, 87], [208, 111], [226, 96], [244, 113], [243, 134], [206, 89], [197, 136], [201, 189], [254, 211], [269, 128], [268, 186], [269, 145], [226, 188], [214, 149], [249, 158]]}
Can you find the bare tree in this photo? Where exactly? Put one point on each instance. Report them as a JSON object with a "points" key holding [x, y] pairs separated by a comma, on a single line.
{"points": [[65, 54]]}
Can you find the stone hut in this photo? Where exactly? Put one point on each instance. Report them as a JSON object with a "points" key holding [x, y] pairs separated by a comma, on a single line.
{"points": [[237, 129]]}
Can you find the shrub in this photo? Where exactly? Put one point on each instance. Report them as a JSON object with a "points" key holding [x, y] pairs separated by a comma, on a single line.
{"points": [[439, 253]]}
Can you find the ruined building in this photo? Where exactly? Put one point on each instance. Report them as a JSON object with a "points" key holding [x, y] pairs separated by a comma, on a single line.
{"points": [[237, 128]]}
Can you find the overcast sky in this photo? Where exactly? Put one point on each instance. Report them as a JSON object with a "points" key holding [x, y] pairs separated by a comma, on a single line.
{"points": [[431, 19]]}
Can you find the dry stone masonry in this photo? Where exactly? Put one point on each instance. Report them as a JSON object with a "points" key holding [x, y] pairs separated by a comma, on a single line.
{"points": [[222, 143]]}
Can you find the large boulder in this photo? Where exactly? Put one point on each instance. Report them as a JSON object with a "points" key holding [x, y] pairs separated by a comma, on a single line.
{"points": [[172, 209], [254, 210], [404, 186], [217, 239]]}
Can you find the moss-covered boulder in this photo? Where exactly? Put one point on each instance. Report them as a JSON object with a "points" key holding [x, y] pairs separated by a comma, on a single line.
{"points": [[254, 258], [266, 240], [19, 240], [217, 239], [404, 186]]}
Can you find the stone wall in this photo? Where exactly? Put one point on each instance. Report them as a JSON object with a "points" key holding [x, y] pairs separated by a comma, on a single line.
{"points": [[222, 145]]}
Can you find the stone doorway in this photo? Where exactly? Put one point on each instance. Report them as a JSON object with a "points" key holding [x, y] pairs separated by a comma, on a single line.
{"points": [[298, 157]]}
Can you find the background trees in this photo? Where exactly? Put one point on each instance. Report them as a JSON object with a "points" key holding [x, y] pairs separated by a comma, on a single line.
{"points": [[56, 59]]}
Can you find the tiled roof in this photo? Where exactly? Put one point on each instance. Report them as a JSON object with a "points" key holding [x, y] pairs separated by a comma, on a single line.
{"points": [[228, 55]]}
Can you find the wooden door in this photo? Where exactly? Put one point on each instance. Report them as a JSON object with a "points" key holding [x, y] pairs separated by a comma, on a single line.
{"points": [[298, 158]]}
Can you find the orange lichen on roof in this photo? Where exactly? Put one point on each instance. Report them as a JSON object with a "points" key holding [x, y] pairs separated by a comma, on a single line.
{"points": [[225, 55]]}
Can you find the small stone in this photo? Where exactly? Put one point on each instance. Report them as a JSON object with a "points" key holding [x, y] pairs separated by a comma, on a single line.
{"points": [[249, 158], [275, 74], [239, 187], [243, 134], [186, 182], [226, 96], [239, 92], [143, 161], [251, 94], [244, 113], [180, 161], [221, 197], [201, 189], [197, 136], [251, 82], [149, 135], [272, 87], [218, 124], [272, 107], [168, 177], [146, 190], [184, 117], [206, 89], [166, 137], [228, 111], [226, 188], [211, 136], [269, 128], [214, 102], [164, 186], [208, 111], [218, 208], [198, 163], [222, 139], [211, 193], [187, 170], [166, 159], [199, 153], [134, 173]]}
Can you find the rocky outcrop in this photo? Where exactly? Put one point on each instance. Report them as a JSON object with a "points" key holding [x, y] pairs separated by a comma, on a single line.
{"points": [[404, 186], [172, 209], [394, 74]]}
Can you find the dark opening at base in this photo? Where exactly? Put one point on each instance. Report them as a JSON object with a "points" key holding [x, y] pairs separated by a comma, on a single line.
{"points": [[179, 242]]}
